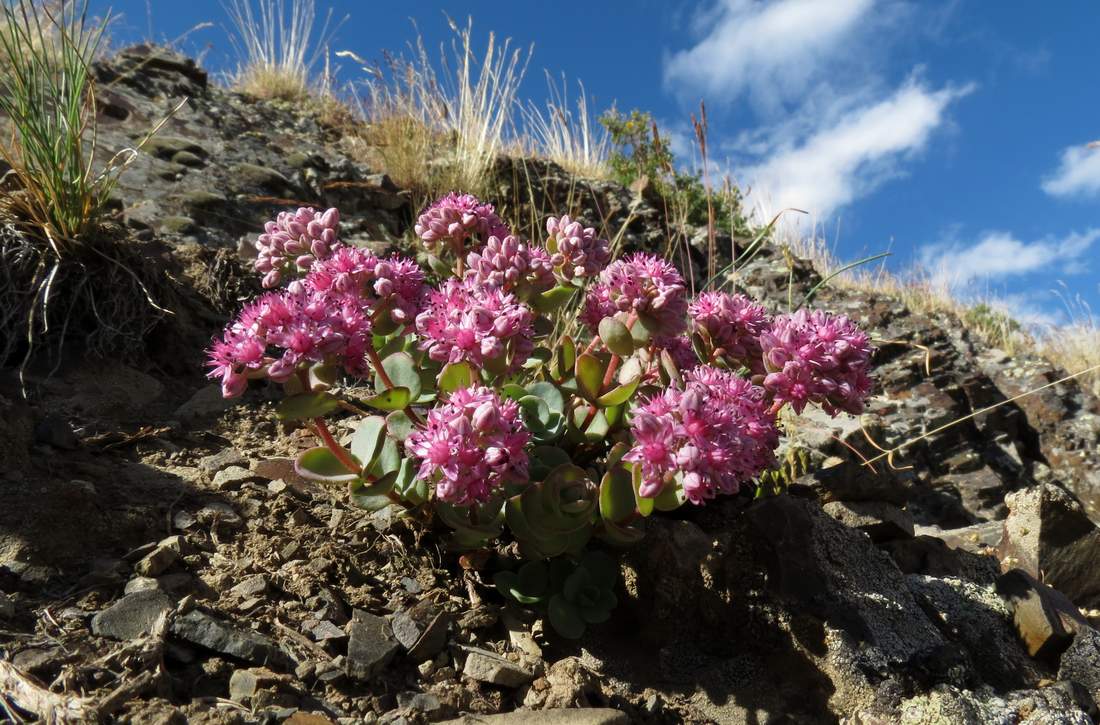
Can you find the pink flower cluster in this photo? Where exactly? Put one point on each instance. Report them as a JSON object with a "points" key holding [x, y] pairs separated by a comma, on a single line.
{"points": [[471, 446], [711, 436], [479, 324], [275, 335], [455, 217], [815, 357], [733, 325], [642, 284], [393, 286], [577, 250], [511, 265], [294, 240]]}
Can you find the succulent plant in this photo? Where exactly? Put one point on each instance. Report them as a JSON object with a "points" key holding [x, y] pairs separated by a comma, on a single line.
{"points": [[554, 516], [575, 593], [586, 596]]}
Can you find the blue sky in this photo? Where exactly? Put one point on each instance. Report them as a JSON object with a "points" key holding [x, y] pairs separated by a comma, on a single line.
{"points": [[952, 133]]}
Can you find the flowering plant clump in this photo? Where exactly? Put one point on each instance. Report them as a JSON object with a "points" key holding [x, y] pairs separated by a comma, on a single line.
{"points": [[471, 406]]}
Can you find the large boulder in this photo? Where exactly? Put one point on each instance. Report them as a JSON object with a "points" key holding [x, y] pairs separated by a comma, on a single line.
{"points": [[1049, 536]]}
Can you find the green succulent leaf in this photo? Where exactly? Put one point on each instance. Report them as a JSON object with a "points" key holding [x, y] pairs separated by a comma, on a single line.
{"points": [[373, 496], [321, 464], [366, 441], [399, 425], [619, 395], [565, 618], [403, 373], [392, 399], [470, 535], [616, 336], [614, 416], [553, 298], [589, 372], [306, 405], [455, 376], [617, 500], [409, 485], [549, 394], [323, 377], [388, 460], [438, 266], [669, 369]]}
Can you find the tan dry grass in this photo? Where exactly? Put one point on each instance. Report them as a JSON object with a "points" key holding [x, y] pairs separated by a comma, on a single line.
{"points": [[279, 47]]}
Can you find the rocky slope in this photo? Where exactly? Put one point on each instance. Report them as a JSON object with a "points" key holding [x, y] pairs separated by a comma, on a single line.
{"points": [[160, 562]]}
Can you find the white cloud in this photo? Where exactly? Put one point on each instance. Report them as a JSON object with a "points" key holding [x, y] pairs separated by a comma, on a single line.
{"points": [[774, 49], [999, 255], [1077, 175], [836, 164]]}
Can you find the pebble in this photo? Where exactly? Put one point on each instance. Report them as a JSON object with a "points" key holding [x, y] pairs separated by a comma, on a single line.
{"points": [[485, 666]]}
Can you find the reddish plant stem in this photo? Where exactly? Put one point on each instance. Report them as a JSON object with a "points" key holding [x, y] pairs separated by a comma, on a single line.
{"points": [[337, 450]]}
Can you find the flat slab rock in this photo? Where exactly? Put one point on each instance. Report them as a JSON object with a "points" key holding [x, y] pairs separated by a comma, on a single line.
{"points": [[485, 666], [371, 645], [207, 631], [132, 616], [556, 716]]}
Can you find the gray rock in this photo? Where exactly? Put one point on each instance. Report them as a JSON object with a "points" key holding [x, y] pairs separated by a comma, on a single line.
{"points": [[251, 586], [252, 177], [157, 561], [850, 481], [166, 147], [1045, 619], [221, 460], [979, 620], [187, 158], [880, 520], [485, 666], [371, 646], [1053, 705], [421, 630], [208, 401], [560, 716], [326, 630], [205, 630], [55, 431], [132, 616], [232, 477], [424, 702], [141, 584], [7, 606], [1049, 535], [244, 684], [1081, 662]]}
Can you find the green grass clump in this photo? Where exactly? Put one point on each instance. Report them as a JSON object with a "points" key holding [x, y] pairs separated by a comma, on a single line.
{"points": [[47, 99]]}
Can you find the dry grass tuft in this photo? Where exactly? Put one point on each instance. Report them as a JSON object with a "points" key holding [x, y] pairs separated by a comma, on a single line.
{"points": [[279, 48], [573, 139], [439, 125]]}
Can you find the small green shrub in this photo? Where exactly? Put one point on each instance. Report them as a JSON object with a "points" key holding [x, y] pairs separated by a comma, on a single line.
{"points": [[638, 151]]}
